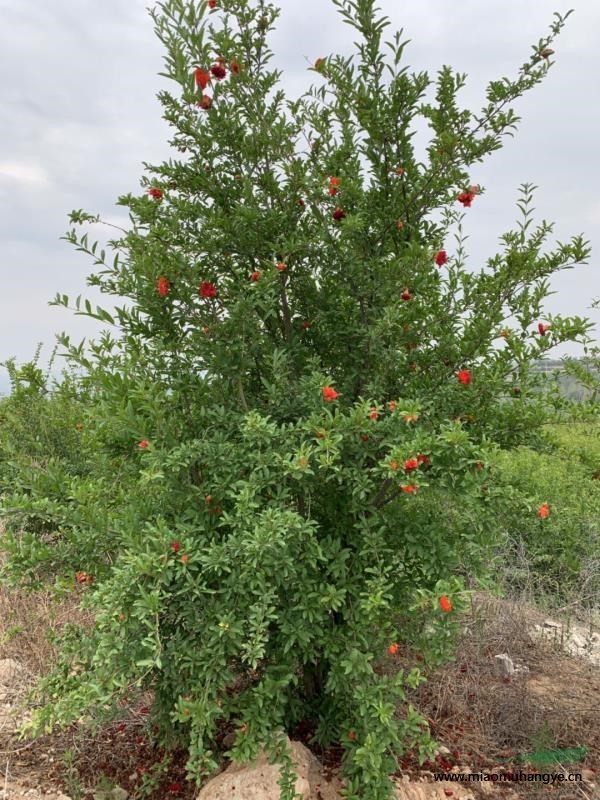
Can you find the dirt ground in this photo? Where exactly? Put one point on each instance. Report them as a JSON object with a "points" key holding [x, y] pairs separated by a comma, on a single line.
{"points": [[483, 722]]}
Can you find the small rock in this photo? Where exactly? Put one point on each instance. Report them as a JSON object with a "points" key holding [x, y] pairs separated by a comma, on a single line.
{"points": [[503, 666]]}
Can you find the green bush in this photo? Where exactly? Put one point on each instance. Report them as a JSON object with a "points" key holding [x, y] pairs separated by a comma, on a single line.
{"points": [[291, 423]]}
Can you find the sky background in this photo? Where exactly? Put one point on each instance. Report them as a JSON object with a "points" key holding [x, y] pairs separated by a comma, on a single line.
{"points": [[78, 116]]}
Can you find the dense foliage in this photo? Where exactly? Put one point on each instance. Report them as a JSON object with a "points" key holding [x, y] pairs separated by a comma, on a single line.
{"points": [[284, 464]]}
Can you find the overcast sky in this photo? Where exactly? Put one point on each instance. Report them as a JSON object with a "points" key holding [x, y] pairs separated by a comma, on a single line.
{"points": [[78, 115]]}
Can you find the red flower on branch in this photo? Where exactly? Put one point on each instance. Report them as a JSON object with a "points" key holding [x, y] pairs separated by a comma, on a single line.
{"points": [[235, 67], [212, 3], [219, 71], [393, 649], [206, 102], [422, 459], [329, 393], [406, 295], [207, 290], [338, 214], [410, 464], [175, 546], [441, 258], [143, 445], [281, 266], [352, 735], [156, 193], [542, 328], [163, 286], [83, 577], [445, 604], [392, 405], [334, 184], [466, 198], [410, 488], [306, 324], [373, 414], [544, 511], [202, 77], [464, 376], [394, 465], [255, 276]]}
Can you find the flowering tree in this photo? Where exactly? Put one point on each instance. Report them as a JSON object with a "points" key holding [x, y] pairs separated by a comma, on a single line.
{"points": [[298, 403]]}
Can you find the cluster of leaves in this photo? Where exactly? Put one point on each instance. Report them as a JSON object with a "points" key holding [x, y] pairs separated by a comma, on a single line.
{"points": [[252, 541]]}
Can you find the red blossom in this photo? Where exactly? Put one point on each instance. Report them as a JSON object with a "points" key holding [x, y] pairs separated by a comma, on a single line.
{"points": [[319, 63], [392, 406], [235, 67], [543, 511], [410, 418], [410, 464], [406, 295], [163, 286], [410, 488], [212, 3], [393, 649], [329, 393], [445, 604], [206, 102], [156, 193], [464, 376], [83, 577], [175, 546], [202, 77], [143, 445], [281, 266], [542, 328], [466, 198], [441, 258], [394, 465], [423, 459], [306, 324], [399, 224], [175, 788], [339, 214], [373, 414], [219, 71], [207, 290], [334, 184], [255, 276], [184, 559]]}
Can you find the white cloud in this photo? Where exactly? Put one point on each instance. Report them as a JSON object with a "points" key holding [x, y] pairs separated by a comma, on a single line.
{"points": [[27, 173]]}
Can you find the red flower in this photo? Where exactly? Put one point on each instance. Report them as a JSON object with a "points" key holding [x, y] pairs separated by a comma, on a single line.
{"points": [[207, 289], [255, 276], [399, 224], [208, 499], [156, 193], [543, 511], [319, 63], [352, 735], [83, 577], [334, 184], [392, 406], [175, 787], [479, 465], [504, 333], [393, 649], [163, 286], [364, 437], [410, 418], [184, 559], [422, 459], [543, 328], [281, 266], [175, 546], [445, 604], [306, 324], [205, 329], [394, 465], [202, 77], [339, 214], [406, 295], [206, 102], [410, 488], [466, 198], [219, 71], [212, 3], [464, 376], [410, 464], [374, 414], [441, 258], [143, 445], [329, 393], [235, 67], [399, 170]]}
